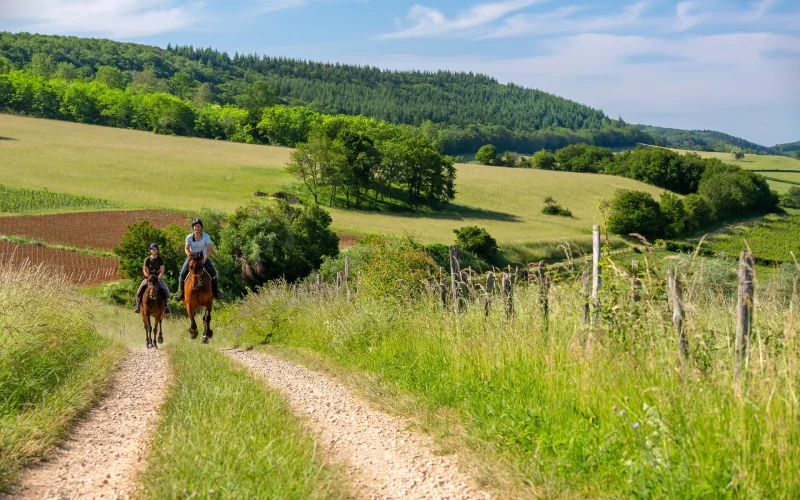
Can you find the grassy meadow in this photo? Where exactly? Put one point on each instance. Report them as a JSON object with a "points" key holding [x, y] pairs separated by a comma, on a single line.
{"points": [[54, 364], [140, 169], [545, 408]]}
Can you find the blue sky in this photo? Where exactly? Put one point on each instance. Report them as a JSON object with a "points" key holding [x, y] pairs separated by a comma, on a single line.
{"points": [[727, 65]]}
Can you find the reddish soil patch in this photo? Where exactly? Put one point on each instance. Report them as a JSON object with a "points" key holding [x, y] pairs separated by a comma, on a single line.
{"points": [[95, 230], [80, 268], [347, 240]]}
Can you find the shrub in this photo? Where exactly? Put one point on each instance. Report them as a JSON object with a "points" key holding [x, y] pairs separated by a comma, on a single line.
{"points": [[636, 212], [476, 240], [791, 198], [486, 155], [394, 268], [544, 160], [698, 212], [135, 247], [553, 208], [674, 213]]}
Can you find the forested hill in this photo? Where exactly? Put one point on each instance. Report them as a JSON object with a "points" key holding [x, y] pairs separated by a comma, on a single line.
{"points": [[462, 110], [789, 148], [707, 140]]}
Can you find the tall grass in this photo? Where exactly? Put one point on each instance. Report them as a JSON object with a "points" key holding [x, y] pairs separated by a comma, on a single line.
{"points": [[17, 200], [609, 413], [224, 435], [53, 364]]}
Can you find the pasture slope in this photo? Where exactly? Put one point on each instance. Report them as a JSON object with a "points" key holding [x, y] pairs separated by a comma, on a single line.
{"points": [[143, 170]]}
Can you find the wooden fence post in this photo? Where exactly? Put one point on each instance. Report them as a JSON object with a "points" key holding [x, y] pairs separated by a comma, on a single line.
{"points": [[443, 291], [596, 279], [744, 319], [508, 294], [347, 274], [678, 314], [339, 279], [489, 292], [319, 281], [455, 277]]}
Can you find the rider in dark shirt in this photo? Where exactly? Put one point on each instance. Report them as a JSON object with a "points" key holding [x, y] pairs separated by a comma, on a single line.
{"points": [[153, 264]]}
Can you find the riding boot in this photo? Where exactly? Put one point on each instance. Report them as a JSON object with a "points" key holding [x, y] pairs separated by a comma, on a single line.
{"points": [[179, 297], [215, 287], [138, 305], [166, 301]]}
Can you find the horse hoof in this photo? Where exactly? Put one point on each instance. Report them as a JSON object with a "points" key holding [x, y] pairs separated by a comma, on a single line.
{"points": [[210, 333], [160, 340], [205, 339], [149, 345]]}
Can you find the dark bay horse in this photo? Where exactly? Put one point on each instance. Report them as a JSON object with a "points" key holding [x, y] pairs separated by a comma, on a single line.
{"points": [[197, 293], [153, 304]]}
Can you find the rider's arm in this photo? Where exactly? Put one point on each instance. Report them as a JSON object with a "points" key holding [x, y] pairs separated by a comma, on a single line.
{"points": [[187, 251], [145, 271], [161, 272]]}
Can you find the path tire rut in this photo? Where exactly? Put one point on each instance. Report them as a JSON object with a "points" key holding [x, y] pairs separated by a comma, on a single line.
{"points": [[381, 456], [107, 448]]}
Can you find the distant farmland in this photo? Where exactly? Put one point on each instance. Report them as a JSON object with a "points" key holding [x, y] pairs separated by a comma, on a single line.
{"points": [[139, 169]]}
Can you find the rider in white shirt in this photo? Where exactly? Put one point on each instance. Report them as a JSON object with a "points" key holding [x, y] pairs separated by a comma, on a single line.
{"points": [[198, 242]]}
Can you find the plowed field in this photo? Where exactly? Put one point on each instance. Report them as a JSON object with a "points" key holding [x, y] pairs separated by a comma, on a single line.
{"points": [[95, 230], [80, 268]]}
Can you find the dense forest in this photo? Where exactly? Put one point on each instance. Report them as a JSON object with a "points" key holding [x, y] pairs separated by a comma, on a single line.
{"points": [[790, 148], [707, 140]]}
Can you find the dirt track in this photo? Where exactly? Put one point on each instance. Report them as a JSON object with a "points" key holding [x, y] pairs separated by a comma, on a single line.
{"points": [[382, 458], [107, 448]]}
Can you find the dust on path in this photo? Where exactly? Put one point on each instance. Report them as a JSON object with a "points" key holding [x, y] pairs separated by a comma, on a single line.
{"points": [[106, 449], [381, 457]]}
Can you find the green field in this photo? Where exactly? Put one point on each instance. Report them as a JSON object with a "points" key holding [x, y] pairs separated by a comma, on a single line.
{"points": [[774, 168], [140, 169]]}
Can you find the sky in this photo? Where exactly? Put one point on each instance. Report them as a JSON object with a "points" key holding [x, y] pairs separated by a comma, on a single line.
{"points": [[726, 65]]}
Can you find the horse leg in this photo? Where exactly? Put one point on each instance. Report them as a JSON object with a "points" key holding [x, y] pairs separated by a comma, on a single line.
{"points": [[207, 332], [147, 329], [160, 327], [193, 327]]}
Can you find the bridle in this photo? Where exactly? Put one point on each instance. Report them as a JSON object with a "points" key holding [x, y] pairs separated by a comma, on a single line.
{"points": [[197, 278], [152, 289]]}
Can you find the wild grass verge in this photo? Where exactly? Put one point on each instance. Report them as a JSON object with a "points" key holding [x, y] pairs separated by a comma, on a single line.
{"points": [[53, 365], [225, 435], [607, 413]]}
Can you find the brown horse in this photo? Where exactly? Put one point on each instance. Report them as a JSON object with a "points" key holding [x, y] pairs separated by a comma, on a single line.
{"points": [[153, 304], [197, 293]]}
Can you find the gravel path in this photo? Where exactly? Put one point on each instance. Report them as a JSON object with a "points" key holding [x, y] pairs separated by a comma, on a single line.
{"points": [[106, 449], [382, 458]]}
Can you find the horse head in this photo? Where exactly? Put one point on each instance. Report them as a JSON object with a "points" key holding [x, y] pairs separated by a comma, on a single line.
{"points": [[152, 286], [196, 269]]}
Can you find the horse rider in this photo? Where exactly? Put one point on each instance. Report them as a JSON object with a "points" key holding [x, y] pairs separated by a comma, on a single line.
{"points": [[198, 241], [153, 264]]}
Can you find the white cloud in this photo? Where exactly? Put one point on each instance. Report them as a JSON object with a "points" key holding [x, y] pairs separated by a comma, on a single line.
{"points": [[560, 21], [113, 18], [426, 21]]}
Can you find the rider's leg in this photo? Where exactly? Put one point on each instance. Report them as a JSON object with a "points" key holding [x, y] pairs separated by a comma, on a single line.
{"points": [[139, 294], [214, 281], [165, 291], [182, 280]]}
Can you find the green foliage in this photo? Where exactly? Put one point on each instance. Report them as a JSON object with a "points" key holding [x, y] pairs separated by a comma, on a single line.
{"points": [[487, 155], [509, 159], [662, 167], [738, 154], [636, 212], [706, 140], [791, 198], [395, 268], [544, 160], [476, 240], [583, 158], [261, 243], [699, 212], [732, 191], [18, 200], [674, 211], [771, 240], [135, 247], [258, 450]]}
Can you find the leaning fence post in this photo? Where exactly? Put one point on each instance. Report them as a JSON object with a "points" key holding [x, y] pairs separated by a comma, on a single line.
{"points": [[455, 276], [596, 279], [677, 313], [508, 294], [339, 279], [744, 319]]}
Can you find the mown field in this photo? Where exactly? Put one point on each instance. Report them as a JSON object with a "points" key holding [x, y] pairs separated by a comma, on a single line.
{"points": [[143, 170], [782, 172]]}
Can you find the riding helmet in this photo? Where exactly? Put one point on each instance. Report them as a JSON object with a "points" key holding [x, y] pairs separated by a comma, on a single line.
{"points": [[197, 221], [154, 245]]}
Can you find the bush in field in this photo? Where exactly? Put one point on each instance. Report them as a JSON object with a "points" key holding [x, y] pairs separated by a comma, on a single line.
{"points": [[698, 212], [487, 155], [544, 160], [395, 268], [476, 240], [791, 198], [636, 212], [552, 207], [261, 243], [674, 212], [441, 256], [135, 247]]}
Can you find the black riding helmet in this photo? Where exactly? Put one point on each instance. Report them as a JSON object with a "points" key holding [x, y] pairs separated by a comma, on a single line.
{"points": [[154, 245], [197, 221]]}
